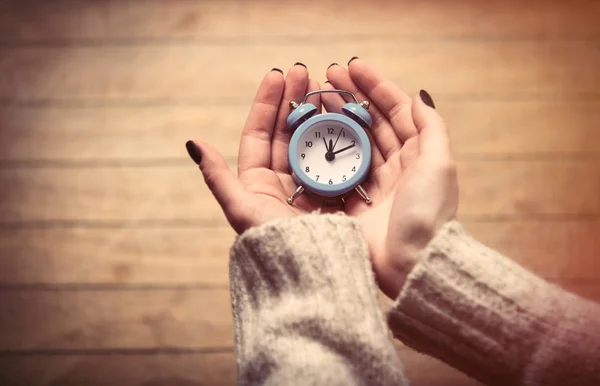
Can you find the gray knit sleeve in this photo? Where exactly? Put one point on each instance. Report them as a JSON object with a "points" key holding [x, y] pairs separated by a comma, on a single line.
{"points": [[487, 316], [305, 306]]}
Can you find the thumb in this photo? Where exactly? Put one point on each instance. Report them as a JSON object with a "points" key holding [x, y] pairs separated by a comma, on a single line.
{"points": [[433, 135], [224, 185]]}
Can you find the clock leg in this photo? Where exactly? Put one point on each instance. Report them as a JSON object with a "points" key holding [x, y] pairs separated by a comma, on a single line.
{"points": [[359, 189], [296, 194]]}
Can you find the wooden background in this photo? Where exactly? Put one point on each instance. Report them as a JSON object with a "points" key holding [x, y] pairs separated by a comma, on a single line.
{"points": [[113, 255]]}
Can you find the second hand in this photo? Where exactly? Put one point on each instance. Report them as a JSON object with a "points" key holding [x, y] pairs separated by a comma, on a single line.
{"points": [[336, 141]]}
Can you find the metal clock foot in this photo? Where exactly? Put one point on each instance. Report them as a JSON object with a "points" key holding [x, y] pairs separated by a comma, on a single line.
{"points": [[359, 189], [296, 194]]}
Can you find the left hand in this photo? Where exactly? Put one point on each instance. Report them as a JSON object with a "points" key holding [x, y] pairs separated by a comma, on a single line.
{"points": [[259, 192]]}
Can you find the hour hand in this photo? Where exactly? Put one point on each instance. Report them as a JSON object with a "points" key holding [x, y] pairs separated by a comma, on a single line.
{"points": [[325, 142]]}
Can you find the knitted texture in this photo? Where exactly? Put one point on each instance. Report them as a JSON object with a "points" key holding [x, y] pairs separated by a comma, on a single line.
{"points": [[487, 316], [305, 306]]}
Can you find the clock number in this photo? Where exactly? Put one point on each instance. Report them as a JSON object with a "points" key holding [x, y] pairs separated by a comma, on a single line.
{"points": [[344, 177], [330, 182], [353, 143], [307, 169], [330, 130], [357, 155], [354, 169], [317, 177], [303, 155], [344, 134], [308, 143], [317, 134]]}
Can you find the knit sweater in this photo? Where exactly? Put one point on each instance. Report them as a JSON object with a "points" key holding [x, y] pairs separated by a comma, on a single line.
{"points": [[306, 311]]}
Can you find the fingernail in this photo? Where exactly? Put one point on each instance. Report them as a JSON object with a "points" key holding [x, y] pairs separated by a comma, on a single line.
{"points": [[326, 81], [300, 64], [277, 69], [354, 57], [426, 98], [194, 152], [332, 64]]}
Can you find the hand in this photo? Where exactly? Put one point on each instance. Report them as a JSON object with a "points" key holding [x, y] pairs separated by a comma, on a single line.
{"points": [[412, 179], [258, 193]]}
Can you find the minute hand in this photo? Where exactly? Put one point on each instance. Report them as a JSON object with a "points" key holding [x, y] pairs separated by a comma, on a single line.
{"points": [[344, 149]]}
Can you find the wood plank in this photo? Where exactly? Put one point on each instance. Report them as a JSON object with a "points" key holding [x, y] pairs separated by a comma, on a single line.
{"points": [[71, 320], [178, 370], [558, 249], [165, 73], [175, 192], [141, 256], [199, 256], [77, 20], [119, 369], [178, 319], [586, 289], [93, 134]]}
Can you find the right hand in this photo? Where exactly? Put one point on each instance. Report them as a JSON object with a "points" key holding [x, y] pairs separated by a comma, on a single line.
{"points": [[412, 180]]}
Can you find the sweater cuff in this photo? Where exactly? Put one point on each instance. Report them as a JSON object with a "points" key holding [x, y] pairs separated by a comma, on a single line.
{"points": [[312, 255], [304, 297], [473, 308]]}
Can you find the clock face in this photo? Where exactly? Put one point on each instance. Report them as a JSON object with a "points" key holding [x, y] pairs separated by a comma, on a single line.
{"points": [[330, 152]]}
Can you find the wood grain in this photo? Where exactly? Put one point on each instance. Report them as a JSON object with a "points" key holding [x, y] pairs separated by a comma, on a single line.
{"points": [[135, 195], [61, 320], [311, 19], [176, 370], [172, 72], [165, 256], [119, 369], [183, 319], [141, 256], [94, 134]]}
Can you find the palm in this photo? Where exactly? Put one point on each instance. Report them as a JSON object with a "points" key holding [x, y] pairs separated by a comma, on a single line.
{"points": [[382, 186], [268, 192]]}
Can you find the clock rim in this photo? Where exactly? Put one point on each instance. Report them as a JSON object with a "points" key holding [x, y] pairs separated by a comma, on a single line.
{"points": [[334, 190]]}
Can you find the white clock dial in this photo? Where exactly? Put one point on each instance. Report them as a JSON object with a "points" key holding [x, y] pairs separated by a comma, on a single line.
{"points": [[344, 148]]}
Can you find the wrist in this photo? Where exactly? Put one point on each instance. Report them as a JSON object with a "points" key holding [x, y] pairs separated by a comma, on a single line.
{"points": [[404, 248], [397, 268]]}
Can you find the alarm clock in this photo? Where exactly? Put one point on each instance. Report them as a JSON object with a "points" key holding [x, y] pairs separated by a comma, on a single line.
{"points": [[329, 154]]}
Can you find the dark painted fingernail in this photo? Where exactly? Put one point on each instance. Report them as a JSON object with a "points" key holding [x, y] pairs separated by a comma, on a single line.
{"points": [[354, 57], [426, 98], [332, 64], [300, 64], [194, 152], [277, 69], [326, 81]]}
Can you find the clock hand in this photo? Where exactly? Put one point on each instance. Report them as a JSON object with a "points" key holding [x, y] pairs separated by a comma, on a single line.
{"points": [[344, 149], [325, 142], [336, 141], [329, 156]]}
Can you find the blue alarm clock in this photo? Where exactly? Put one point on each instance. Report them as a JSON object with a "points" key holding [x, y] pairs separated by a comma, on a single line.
{"points": [[329, 154]]}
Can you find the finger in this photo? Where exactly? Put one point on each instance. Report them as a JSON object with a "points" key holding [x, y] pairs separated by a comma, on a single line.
{"points": [[393, 102], [383, 133], [255, 144], [434, 142], [296, 83], [333, 103], [313, 85], [225, 186]]}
